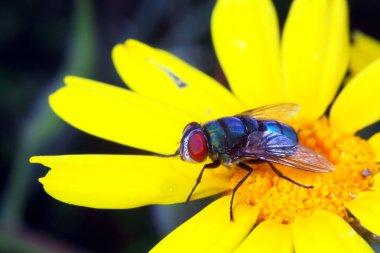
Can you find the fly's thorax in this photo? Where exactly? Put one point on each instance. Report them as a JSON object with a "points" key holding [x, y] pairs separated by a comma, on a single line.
{"points": [[194, 145], [225, 136]]}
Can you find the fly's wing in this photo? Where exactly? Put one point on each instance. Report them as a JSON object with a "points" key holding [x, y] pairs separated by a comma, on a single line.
{"points": [[279, 111], [276, 148], [267, 143], [304, 159]]}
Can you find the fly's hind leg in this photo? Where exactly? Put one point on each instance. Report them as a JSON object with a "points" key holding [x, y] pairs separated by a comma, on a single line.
{"points": [[247, 168], [278, 173], [213, 165]]}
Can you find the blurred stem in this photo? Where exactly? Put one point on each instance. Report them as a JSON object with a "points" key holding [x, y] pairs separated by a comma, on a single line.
{"points": [[42, 126], [27, 241]]}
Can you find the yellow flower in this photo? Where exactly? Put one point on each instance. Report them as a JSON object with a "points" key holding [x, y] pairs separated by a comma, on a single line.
{"points": [[306, 67]]}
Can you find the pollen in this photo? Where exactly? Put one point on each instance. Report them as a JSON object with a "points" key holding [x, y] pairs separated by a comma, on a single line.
{"points": [[281, 200]]}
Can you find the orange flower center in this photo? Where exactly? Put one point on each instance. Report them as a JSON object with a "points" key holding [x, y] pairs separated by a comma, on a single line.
{"points": [[279, 199]]}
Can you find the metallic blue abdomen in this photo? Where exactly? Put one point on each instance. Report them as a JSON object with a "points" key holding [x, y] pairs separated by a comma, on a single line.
{"points": [[281, 128]]}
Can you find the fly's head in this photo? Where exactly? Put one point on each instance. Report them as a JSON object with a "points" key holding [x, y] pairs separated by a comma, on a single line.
{"points": [[194, 144]]}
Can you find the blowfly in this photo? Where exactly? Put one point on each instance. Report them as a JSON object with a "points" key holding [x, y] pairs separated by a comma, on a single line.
{"points": [[253, 136]]}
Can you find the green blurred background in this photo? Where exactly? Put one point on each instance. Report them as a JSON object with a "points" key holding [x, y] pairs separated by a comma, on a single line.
{"points": [[42, 41]]}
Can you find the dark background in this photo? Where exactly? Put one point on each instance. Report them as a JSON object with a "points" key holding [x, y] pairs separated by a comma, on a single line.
{"points": [[42, 41]]}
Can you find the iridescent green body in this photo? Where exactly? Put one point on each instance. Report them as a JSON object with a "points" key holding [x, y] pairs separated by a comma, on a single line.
{"points": [[228, 135]]}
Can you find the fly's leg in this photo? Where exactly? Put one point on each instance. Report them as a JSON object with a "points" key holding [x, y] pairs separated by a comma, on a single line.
{"points": [[212, 165], [247, 168], [170, 155], [278, 173]]}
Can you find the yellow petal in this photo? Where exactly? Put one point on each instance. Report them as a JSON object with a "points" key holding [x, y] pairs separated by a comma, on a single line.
{"points": [[374, 141], [126, 181], [158, 74], [268, 236], [211, 229], [364, 51], [376, 183], [246, 39], [315, 53], [325, 231], [366, 207], [358, 105], [119, 115]]}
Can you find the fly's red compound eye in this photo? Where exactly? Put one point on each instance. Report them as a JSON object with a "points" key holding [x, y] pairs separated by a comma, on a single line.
{"points": [[197, 147]]}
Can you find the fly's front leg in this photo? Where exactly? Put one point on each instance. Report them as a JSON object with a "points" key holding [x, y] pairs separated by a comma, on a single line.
{"points": [[176, 153], [247, 168], [213, 165]]}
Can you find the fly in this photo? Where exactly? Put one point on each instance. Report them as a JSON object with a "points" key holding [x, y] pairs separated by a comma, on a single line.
{"points": [[253, 136]]}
